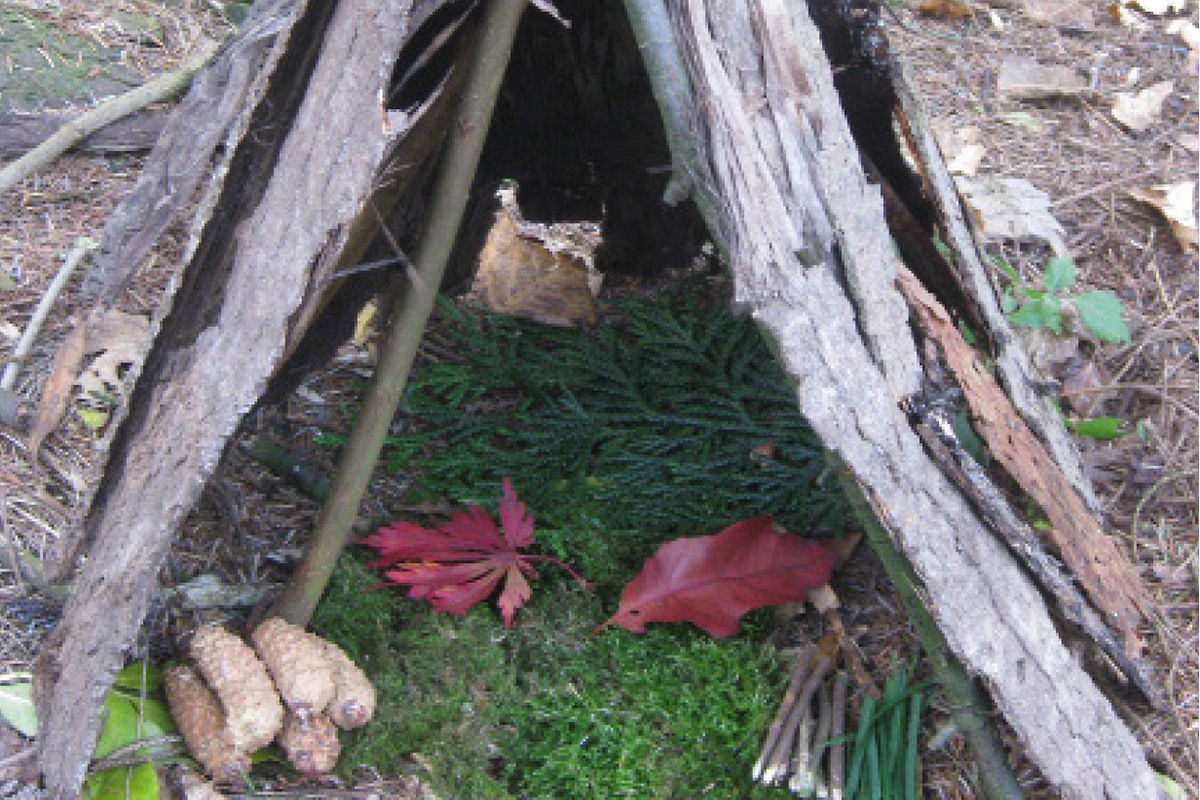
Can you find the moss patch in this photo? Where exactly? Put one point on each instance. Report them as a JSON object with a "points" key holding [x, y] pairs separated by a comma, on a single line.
{"points": [[543, 711]]}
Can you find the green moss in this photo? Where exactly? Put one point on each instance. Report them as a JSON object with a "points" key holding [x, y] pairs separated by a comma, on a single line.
{"points": [[545, 711]]}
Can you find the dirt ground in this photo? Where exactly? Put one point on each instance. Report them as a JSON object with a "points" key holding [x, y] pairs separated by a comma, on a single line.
{"points": [[1071, 147]]}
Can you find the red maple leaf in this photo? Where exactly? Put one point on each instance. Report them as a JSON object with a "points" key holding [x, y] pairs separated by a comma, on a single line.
{"points": [[712, 581], [461, 562]]}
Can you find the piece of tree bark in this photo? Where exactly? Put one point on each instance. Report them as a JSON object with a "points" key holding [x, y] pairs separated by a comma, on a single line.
{"points": [[307, 154], [20, 133], [787, 178]]}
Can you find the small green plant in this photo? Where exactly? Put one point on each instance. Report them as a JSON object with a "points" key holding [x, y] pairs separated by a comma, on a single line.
{"points": [[134, 712], [1101, 312], [883, 760]]}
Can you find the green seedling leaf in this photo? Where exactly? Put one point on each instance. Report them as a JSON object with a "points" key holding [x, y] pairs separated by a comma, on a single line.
{"points": [[1059, 274], [1099, 427], [1042, 312], [129, 783], [910, 756], [16, 705], [1008, 303], [1103, 315], [1174, 790], [1004, 267], [93, 418]]}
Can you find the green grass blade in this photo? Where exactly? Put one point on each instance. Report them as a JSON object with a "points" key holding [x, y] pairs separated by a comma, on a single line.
{"points": [[874, 779], [910, 759], [854, 774]]}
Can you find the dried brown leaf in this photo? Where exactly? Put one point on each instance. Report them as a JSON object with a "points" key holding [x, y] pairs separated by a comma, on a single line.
{"points": [[537, 271], [57, 391]]}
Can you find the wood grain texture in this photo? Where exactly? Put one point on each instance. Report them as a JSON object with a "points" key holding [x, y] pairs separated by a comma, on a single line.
{"points": [[771, 205]]}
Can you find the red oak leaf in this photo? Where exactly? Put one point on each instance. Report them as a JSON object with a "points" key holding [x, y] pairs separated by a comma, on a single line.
{"points": [[712, 581], [461, 562]]}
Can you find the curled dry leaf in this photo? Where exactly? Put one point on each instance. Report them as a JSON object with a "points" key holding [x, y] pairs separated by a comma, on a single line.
{"points": [[1177, 202], [116, 339], [1139, 110], [56, 393], [538, 271]]}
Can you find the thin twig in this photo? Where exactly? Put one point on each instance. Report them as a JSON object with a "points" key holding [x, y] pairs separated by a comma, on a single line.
{"points": [[837, 753], [799, 673], [83, 246], [450, 195]]}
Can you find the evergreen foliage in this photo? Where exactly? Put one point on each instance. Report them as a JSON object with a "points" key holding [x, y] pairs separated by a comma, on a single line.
{"points": [[652, 424]]}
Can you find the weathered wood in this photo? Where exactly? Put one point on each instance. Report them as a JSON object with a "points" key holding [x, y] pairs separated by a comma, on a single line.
{"points": [[308, 153], [217, 105], [787, 181], [20, 133]]}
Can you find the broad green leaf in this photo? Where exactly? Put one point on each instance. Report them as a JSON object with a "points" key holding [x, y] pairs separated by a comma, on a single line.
{"points": [[132, 677], [1008, 303], [16, 707], [141, 781], [1104, 316], [1059, 274], [1099, 428], [120, 725]]}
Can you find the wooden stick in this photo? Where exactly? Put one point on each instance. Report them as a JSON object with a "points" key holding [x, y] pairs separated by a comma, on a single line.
{"points": [[802, 767], [799, 673], [83, 246], [837, 752], [822, 662], [81, 127], [819, 746], [457, 171]]}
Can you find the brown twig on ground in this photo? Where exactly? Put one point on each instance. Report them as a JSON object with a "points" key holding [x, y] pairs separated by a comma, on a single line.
{"points": [[780, 757], [799, 673], [83, 246], [837, 728]]}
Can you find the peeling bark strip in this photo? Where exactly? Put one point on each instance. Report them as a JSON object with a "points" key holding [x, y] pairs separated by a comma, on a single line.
{"points": [[246, 275], [1105, 573], [771, 207]]}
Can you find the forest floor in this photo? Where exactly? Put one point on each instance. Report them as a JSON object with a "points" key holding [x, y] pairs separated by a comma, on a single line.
{"points": [[1065, 142]]}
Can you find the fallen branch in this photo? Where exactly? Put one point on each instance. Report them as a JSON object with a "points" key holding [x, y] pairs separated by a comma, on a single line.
{"points": [[837, 751], [308, 581], [799, 673], [20, 133], [81, 127]]}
